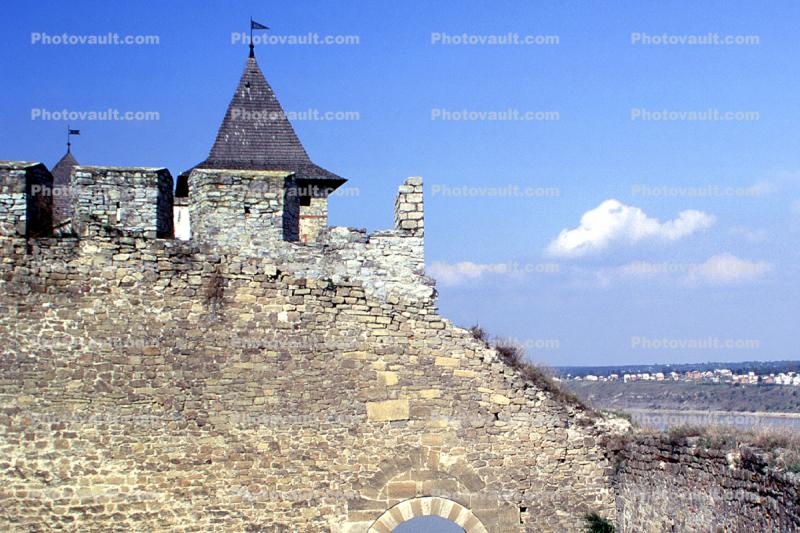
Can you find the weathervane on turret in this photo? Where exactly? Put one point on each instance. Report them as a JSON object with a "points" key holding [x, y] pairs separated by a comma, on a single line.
{"points": [[71, 132], [254, 26]]}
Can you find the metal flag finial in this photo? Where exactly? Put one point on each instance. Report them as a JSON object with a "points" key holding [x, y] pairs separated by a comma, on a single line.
{"points": [[70, 131], [255, 26]]}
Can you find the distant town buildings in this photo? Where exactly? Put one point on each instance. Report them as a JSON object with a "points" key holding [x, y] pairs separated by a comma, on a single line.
{"points": [[718, 375]]}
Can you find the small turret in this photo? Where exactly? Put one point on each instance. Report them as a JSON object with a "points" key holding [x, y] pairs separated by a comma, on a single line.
{"points": [[258, 183]]}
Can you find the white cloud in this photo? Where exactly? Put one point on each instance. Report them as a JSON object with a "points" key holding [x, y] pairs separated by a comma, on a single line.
{"points": [[459, 273], [726, 268], [614, 222]]}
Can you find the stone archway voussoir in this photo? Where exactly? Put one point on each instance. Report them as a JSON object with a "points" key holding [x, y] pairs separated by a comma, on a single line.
{"points": [[428, 506]]}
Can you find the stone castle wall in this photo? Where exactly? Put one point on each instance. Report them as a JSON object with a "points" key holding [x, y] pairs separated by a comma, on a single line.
{"points": [[684, 486], [162, 385], [154, 384]]}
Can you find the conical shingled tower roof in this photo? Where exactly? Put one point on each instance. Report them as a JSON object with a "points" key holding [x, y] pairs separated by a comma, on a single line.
{"points": [[256, 135], [62, 200]]}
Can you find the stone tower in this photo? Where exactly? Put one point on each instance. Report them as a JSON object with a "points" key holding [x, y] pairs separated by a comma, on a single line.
{"points": [[258, 184]]}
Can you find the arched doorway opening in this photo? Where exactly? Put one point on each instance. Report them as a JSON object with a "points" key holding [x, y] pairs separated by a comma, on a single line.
{"points": [[427, 506]]}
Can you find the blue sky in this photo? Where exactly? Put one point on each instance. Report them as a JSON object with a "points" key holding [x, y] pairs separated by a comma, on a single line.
{"points": [[646, 277]]}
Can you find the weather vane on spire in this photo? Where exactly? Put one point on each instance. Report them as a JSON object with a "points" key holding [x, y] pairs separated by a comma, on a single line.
{"points": [[255, 26], [71, 132]]}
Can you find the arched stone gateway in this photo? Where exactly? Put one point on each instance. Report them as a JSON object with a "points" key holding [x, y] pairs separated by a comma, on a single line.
{"points": [[427, 506]]}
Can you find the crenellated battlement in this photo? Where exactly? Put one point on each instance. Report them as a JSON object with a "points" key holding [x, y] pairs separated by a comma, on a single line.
{"points": [[132, 199], [123, 221]]}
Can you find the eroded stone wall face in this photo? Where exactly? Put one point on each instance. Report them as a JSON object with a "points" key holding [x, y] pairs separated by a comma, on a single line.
{"points": [[687, 487], [160, 385]]}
